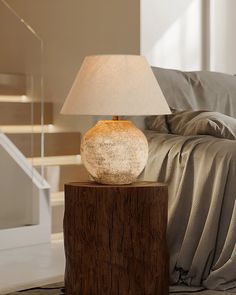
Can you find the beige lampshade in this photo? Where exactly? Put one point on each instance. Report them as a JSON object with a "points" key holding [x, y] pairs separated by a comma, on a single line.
{"points": [[115, 85]]}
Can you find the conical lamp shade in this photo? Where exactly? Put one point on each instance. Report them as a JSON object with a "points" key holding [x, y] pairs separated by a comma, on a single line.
{"points": [[115, 85]]}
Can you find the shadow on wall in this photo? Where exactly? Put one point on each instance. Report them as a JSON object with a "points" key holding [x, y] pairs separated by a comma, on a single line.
{"points": [[171, 33]]}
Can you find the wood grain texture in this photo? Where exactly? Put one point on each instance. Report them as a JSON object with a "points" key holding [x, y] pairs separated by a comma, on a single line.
{"points": [[115, 239]]}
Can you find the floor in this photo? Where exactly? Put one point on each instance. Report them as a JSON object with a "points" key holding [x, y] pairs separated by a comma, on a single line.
{"points": [[197, 291], [43, 265], [58, 289], [208, 292], [34, 266], [54, 289]]}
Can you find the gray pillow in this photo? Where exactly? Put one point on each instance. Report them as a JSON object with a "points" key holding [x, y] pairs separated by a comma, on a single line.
{"points": [[157, 123], [194, 123], [200, 90], [211, 123]]}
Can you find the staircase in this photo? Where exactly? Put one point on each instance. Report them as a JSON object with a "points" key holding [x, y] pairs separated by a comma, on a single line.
{"points": [[61, 162]]}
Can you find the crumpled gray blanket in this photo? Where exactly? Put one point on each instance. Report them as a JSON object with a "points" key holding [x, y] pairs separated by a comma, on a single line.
{"points": [[201, 175]]}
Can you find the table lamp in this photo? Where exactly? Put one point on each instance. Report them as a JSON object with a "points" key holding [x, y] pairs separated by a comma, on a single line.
{"points": [[115, 151]]}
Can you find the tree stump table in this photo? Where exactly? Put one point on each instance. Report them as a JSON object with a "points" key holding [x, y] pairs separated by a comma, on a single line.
{"points": [[115, 239]]}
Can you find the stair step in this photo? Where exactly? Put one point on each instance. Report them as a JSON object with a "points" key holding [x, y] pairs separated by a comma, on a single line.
{"points": [[60, 170], [58, 175], [14, 98], [57, 199], [56, 161], [57, 237], [57, 219], [55, 144], [57, 202], [24, 113], [12, 84], [28, 128]]}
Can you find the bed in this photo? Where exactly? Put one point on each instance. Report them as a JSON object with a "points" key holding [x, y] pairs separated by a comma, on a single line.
{"points": [[200, 170]]}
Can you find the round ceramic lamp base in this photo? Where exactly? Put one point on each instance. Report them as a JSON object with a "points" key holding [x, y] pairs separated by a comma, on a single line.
{"points": [[114, 152]]}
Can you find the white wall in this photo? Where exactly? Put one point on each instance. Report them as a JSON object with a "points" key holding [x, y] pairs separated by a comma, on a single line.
{"points": [[172, 33], [223, 36], [189, 34]]}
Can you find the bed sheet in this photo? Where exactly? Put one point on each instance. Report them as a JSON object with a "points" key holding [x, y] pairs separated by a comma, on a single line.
{"points": [[201, 175]]}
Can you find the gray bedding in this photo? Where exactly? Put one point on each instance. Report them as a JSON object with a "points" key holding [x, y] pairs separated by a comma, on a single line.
{"points": [[201, 174]]}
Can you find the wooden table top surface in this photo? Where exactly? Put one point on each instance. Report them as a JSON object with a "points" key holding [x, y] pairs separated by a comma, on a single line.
{"points": [[135, 184]]}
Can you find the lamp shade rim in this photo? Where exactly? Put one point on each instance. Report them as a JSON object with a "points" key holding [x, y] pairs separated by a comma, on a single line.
{"points": [[168, 112]]}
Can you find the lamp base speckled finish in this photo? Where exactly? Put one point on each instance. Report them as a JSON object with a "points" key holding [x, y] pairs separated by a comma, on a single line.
{"points": [[114, 152]]}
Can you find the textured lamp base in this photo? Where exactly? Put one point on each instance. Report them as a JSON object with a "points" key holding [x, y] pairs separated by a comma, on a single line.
{"points": [[114, 152]]}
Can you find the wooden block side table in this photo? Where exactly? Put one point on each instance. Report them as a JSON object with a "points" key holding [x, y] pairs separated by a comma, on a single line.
{"points": [[115, 239]]}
